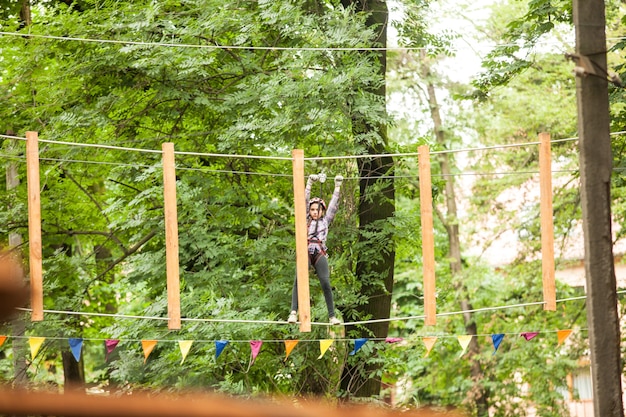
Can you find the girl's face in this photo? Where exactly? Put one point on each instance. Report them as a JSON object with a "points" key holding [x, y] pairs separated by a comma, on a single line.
{"points": [[315, 211]]}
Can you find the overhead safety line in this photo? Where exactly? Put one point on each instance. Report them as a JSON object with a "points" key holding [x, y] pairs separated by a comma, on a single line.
{"points": [[261, 48], [242, 321], [288, 158], [273, 174]]}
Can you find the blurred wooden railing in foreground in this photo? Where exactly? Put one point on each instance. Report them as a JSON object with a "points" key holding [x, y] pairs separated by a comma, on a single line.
{"points": [[18, 402]]}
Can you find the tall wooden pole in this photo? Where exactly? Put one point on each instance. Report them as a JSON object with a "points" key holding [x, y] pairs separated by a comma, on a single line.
{"points": [[34, 226], [171, 237], [547, 223], [302, 255], [428, 238], [595, 174]]}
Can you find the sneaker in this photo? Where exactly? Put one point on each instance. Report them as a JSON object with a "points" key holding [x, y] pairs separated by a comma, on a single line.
{"points": [[293, 317], [334, 321]]}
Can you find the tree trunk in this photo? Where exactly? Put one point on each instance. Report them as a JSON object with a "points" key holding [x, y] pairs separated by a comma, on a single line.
{"points": [[73, 375], [375, 265], [477, 395], [25, 16]]}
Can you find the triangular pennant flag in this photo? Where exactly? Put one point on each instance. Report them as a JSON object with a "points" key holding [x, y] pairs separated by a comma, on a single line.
{"points": [[429, 342], [110, 345], [147, 346], [358, 344], [562, 335], [184, 346], [464, 341], [496, 339], [255, 347], [35, 344], [393, 339], [289, 345], [529, 335], [219, 347], [2, 340], [76, 346], [324, 345]]}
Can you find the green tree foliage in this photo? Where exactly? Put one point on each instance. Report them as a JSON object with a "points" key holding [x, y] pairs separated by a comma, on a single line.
{"points": [[213, 78]]}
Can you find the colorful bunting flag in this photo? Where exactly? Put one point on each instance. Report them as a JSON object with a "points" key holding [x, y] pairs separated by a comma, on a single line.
{"points": [[184, 346], [110, 345], [529, 335], [324, 345], [429, 342], [464, 341], [35, 344], [358, 344], [219, 347], [289, 345], [562, 335], [255, 347], [2, 340], [496, 339], [147, 346], [76, 346], [393, 339]]}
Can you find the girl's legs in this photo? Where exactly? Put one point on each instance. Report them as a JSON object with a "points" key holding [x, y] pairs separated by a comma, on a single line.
{"points": [[323, 274]]}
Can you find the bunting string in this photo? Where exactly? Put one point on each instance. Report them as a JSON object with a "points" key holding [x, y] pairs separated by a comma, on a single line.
{"points": [[148, 345]]}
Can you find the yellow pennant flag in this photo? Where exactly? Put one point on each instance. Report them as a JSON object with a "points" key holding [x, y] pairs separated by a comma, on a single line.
{"points": [[429, 342], [184, 346], [35, 344], [562, 335], [147, 346], [2, 339], [289, 345], [324, 345], [464, 341]]}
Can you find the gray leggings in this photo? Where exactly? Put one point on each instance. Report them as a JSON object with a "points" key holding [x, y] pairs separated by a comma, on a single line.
{"points": [[323, 274]]}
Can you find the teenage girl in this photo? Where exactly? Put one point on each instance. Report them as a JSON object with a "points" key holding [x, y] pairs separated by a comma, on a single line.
{"points": [[319, 219]]}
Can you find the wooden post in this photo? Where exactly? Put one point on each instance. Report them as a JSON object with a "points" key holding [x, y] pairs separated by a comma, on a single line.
{"points": [[302, 255], [34, 226], [171, 237], [428, 238], [547, 224]]}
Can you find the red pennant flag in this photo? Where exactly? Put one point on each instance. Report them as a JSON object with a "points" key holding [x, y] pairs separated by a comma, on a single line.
{"points": [[110, 345], [529, 335], [255, 346]]}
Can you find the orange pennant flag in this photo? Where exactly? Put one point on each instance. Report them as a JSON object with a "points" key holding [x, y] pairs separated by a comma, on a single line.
{"points": [[429, 342], [147, 346], [35, 344], [562, 335], [324, 345], [2, 339], [289, 345]]}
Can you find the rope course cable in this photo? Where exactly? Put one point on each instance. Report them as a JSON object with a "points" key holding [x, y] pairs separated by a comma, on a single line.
{"points": [[260, 48], [393, 319], [281, 158]]}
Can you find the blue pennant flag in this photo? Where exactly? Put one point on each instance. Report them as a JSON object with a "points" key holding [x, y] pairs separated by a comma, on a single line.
{"points": [[219, 347], [358, 343], [76, 345], [497, 339]]}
